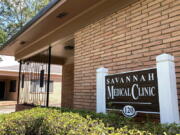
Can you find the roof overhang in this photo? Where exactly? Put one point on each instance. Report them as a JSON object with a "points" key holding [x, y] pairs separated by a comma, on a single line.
{"points": [[7, 74], [48, 29]]}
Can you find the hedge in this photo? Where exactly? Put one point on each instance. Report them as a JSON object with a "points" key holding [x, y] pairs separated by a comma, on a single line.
{"points": [[55, 121]]}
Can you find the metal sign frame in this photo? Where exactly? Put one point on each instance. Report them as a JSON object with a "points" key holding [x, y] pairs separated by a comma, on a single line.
{"points": [[120, 89]]}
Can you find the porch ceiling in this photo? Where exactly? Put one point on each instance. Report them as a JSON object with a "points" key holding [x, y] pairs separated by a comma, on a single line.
{"points": [[47, 24], [54, 31]]}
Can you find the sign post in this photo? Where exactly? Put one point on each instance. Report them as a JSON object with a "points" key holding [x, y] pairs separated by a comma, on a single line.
{"points": [[151, 91], [169, 112], [100, 90]]}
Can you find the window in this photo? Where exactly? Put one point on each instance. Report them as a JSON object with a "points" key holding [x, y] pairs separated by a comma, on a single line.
{"points": [[35, 86], [12, 87]]}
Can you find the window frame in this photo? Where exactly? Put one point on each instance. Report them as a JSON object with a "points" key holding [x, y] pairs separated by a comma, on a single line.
{"points": [[51, 89], [12, 85]]}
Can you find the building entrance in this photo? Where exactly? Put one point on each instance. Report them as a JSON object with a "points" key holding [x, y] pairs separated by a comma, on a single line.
{"points": [[2, 89]]}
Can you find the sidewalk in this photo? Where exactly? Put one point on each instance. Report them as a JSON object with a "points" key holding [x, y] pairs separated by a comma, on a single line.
{"points": [[7, 106]]}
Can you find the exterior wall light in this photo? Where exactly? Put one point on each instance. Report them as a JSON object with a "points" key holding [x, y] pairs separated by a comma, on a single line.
{"points": [[69, 47]]}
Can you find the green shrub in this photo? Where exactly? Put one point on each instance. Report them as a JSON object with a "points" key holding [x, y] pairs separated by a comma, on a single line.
{"points": [[116, 121], [25, 122], [55, 121]]}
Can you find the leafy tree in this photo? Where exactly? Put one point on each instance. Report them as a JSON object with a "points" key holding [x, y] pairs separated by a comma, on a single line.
{"points": [[14, 14], [3, 36]]}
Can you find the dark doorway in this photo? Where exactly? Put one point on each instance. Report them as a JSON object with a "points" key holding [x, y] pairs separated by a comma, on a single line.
{"points": [[2, 89]]}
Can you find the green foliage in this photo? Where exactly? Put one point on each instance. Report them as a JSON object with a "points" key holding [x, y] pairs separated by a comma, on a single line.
{"points": [[54, 121], [3, 36], [14, 14], [116, 121]]}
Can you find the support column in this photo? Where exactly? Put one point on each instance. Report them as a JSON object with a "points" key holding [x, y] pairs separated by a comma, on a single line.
{"points": [[168, 101], [49, 75], [100, 90], [19, 81], [67, 85]]}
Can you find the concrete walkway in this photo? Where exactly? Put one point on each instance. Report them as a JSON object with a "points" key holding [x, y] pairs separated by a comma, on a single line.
{"points": [[7, 106]]}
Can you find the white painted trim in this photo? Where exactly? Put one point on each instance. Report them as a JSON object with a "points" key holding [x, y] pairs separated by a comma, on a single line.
{"points": [[168, 101], [15, 71], [4, 70], [100, 90]]}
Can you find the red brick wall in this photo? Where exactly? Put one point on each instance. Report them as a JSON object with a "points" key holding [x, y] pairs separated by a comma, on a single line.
{"points": [[129, 39], [67, 85]]}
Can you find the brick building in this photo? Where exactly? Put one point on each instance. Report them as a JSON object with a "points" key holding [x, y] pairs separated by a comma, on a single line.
{"points": [[9, 83], [121, 35]]}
